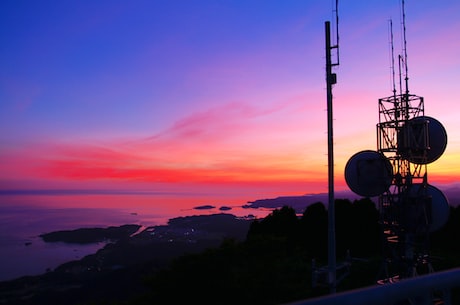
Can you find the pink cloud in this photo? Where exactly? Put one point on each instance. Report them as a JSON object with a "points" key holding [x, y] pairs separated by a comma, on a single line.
{"points": [[208, 125], [199, 148]]}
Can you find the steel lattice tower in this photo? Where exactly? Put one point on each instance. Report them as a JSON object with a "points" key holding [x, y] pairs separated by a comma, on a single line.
{"points": [[405, 217]]}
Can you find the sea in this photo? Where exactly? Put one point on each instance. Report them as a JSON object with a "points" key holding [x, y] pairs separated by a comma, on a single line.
{"points": [[26, 215]]}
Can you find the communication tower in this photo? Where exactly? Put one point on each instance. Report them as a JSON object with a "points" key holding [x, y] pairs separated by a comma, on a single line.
{"points": [[410, 208]]}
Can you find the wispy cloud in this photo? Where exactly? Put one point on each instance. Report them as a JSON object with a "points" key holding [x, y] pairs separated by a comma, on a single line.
{"points": [[199, 148], [209, 124]]}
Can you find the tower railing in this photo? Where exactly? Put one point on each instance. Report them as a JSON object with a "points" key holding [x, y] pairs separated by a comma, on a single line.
{"points": [[433, 288]]}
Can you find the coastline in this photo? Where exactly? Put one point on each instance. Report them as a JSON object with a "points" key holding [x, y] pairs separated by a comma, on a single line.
{"points": [[24, 217], [30, 255], [153, 248]]}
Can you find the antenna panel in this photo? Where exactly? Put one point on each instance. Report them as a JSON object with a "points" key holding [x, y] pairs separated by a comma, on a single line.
{"points": [[368, 173]]}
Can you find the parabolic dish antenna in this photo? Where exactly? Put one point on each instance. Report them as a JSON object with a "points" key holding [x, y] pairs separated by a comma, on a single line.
{"points": [[439, 205], [368, 173], [422, 135]]}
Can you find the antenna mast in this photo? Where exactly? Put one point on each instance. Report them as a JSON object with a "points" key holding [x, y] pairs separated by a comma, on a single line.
{"points": [[331, 79]]}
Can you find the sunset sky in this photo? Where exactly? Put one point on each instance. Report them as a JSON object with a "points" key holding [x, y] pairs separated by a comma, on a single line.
{"points": [[209, 96]]}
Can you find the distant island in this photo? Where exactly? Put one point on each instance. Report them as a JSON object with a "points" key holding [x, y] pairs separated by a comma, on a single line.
{"points": [[298, 203], [91, 235]]}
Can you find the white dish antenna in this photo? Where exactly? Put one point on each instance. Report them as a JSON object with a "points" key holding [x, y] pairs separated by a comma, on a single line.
{"points": [[368, 173], [428, 199], [422, 140]]}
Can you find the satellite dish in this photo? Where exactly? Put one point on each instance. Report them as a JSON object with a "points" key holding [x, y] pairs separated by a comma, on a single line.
{"points": [[422, 140], [368, 173], [433, 200]]}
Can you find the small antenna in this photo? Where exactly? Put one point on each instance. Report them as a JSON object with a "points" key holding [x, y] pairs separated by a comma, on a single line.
{"points": [[400, 63], [336, 45], [405, 47], [392, 55]]}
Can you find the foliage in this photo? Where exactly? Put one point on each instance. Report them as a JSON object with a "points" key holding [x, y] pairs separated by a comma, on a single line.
{"points": [[273, 265]]}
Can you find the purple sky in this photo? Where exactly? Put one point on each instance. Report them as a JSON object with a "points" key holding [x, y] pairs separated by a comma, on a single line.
{"points": [[209, 94]]}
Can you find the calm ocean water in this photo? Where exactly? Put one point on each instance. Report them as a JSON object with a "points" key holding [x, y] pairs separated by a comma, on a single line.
{"points": [[23, 217]]}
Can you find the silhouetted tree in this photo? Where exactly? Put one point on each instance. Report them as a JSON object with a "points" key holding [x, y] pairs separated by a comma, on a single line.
{"points": [[365, 228], [343, 226], [313, 230], [357, 227], [446, 239], [281, 222], [279, 229]]}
